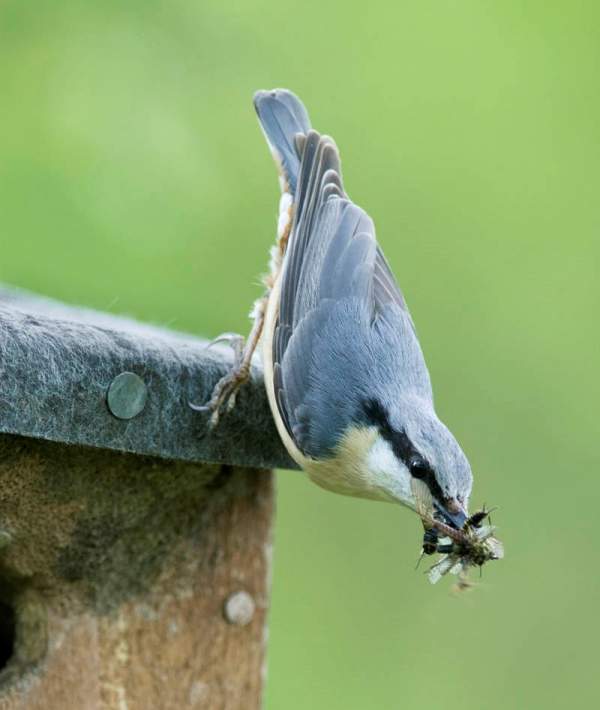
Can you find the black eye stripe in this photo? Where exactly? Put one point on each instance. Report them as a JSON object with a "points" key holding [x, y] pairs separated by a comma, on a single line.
{"points": [[403, 448], [426, 474]]}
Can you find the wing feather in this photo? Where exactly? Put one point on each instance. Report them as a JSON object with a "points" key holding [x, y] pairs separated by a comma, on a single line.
{"points": [[332, 258]]}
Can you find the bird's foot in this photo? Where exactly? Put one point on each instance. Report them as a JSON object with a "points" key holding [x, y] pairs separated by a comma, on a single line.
{"points": [[224, 393], [234, 340]]}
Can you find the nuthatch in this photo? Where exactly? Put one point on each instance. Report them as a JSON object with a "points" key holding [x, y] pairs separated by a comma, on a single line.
{"points": [[345, 375]]}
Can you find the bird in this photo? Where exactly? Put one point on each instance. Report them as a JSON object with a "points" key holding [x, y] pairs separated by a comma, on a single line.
{"points": [[345, 375]]}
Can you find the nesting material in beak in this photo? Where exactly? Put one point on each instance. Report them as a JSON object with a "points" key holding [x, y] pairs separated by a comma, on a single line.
{"points": [[472, 546]]}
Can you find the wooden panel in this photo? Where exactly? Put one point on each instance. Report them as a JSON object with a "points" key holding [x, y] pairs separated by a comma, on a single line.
{"points": [[118, 569]]}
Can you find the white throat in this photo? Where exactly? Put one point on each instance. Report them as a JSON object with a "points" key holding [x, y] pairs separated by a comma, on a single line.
{"points": [[388, 473], [364, 465]]}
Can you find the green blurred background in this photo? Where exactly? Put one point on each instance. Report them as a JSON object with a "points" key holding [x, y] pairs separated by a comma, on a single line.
{"points": [[134, 178]]}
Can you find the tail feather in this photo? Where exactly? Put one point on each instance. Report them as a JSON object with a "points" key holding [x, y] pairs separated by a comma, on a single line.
{"points": [[282, 117]]}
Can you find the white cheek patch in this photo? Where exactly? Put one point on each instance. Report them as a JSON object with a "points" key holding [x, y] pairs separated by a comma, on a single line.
{"points": [[388, 473]]}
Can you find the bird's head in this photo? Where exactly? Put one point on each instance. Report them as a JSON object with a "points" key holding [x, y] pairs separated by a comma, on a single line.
{"points": [[417, 461]]}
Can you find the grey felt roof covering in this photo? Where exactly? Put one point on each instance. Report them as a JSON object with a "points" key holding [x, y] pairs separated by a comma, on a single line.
{"points": [[57, 363]]}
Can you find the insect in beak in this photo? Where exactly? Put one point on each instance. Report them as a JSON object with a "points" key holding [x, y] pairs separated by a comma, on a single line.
{"points": [[452, 515], [472, 545], [477, 518]]}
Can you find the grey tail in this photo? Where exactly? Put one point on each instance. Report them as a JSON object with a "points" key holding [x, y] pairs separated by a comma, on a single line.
{"points": [[282, 116]]}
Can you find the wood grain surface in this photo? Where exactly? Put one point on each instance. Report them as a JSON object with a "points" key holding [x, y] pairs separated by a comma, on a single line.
{"points": [[115, 573]]}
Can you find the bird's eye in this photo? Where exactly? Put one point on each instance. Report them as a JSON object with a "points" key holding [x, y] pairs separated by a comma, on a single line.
{"points": [[421, 469], [418, 467]]}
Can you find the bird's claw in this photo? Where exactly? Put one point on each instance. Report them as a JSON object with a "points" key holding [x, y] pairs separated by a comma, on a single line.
{"points": [[224, 395], [225, 391], [234, 340]]}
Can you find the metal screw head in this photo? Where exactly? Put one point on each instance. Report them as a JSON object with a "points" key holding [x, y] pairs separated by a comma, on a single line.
{"points": [[126, 396], [239, 608]]}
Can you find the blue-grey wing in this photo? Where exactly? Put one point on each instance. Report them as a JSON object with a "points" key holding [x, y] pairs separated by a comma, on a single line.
{"points": [[341, 311], [286, 125]]}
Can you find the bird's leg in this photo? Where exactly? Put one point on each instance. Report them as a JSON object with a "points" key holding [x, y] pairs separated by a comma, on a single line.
{"points": [[224, 392]]}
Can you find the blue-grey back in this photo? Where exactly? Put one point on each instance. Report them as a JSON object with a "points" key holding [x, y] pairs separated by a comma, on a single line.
{"points": [[343, 323], [347, 360]]}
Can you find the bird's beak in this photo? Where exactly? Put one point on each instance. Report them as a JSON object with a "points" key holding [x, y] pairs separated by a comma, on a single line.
{"points": [[452, 512]]}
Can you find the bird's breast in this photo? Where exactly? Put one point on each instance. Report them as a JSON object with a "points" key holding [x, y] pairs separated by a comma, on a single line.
{"points": [[348, 472]]}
